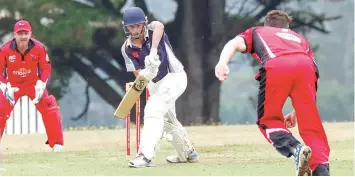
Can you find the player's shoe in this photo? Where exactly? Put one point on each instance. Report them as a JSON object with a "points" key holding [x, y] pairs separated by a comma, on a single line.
{"points": [[321, 170], [141, 161], [302, 157], [193, 157], [57, 148]]}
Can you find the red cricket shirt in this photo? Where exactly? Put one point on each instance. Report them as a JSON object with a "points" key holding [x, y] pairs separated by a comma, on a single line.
{"points": [[24, 69], [265, 43]]}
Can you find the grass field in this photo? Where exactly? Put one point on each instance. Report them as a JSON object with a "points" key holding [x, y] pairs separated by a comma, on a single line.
{"points": [[102, 152]]}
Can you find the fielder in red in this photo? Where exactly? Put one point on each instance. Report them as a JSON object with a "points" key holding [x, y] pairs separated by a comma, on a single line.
{"points": [[287, 70], [25, 69]]}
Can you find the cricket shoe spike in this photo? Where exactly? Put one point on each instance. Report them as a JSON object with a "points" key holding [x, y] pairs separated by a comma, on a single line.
{"points": [[57, 148], [193, 157], [308, 172], [141, 161], [302, 156]]}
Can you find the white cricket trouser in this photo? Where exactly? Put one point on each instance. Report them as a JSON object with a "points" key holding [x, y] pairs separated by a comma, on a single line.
{"points": [[160, 104]]}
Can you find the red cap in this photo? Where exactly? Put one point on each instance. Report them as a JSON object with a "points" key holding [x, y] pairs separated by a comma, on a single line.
{"points": [[22, 25]]}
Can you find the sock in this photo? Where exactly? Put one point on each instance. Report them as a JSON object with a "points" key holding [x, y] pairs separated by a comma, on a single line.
{"points": [[293, 149]]}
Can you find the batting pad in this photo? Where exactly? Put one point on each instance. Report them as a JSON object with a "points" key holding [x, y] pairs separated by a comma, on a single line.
{"points": [[180, 141]]}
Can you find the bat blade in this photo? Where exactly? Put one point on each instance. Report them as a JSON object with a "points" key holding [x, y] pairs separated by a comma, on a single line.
{"points": [[131, 97]]}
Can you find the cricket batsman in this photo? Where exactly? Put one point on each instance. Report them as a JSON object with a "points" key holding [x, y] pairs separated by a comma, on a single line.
{"points": [[287, 70], [147, 52], [26, 68]]}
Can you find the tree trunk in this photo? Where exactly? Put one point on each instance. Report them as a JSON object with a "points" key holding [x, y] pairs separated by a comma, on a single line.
{"points": [[211, 83], [190, 50], [200, 102]]}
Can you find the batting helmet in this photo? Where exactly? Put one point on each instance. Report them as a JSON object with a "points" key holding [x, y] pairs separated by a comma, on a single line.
{"points": [[132, 16]]}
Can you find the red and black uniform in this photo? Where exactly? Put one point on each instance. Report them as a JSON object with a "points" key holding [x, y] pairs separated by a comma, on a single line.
{"points": [[287, 70], [23, 71]]}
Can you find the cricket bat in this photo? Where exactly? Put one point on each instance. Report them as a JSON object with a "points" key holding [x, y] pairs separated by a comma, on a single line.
{"points": [[131, 97]]}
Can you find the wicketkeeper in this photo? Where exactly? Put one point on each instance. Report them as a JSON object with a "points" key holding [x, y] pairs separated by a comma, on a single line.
{"points": [[147, 52], [26, 67]]}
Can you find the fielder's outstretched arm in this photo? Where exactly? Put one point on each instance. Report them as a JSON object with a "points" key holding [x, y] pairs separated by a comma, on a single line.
{"points": [[234, 45]]}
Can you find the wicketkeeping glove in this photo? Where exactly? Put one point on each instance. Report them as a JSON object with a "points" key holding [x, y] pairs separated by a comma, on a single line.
{"points": [[39, 88], [9, 92]]}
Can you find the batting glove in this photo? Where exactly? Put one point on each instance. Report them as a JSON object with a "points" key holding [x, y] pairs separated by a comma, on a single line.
{"points": [[151, 67]]}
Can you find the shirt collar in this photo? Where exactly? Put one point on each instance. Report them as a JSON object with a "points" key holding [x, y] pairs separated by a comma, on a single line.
{"points": [[146, 37]]}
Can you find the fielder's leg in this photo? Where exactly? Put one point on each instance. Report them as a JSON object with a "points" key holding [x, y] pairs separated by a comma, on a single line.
{"points": [[161, 99], [5, 112], [274, 89], [6, 108], [308, 119], [49, 109], [180, 141]]}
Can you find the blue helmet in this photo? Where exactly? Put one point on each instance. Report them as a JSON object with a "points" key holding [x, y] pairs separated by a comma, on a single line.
{"points": [[132, 16]]}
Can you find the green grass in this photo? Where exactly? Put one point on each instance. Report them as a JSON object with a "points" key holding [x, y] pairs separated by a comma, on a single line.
{"points": [[243, 152]]}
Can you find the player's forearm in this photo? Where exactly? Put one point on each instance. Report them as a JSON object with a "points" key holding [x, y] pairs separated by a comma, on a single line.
{"points": [[293, 111], [235, 45], [227, 53], [45, 72], [2, 78], [2, 67], [136, 73], [158, 31]]}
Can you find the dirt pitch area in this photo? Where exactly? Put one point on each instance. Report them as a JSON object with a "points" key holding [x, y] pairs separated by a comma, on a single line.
{"points": [[242, 151]]}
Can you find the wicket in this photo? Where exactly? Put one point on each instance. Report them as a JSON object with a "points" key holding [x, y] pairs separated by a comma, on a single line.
{"points": [[138, 122]]}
